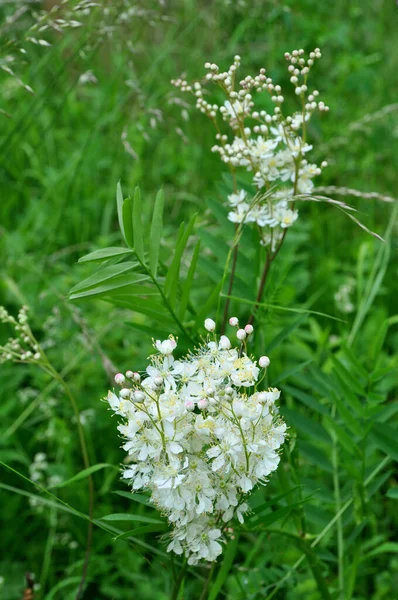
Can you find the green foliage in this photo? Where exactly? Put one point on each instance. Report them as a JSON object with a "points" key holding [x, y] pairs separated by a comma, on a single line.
{"points": [[324, 525]]}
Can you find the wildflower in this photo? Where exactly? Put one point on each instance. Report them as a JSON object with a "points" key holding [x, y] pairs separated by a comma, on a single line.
{"points": [[272, 145], [199, 436]]}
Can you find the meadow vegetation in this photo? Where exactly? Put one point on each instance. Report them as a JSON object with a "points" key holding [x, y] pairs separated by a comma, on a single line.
{"points": [[91, 104]]}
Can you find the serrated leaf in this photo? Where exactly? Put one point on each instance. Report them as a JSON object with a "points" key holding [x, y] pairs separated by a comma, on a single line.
{"points": [[137, 225], [129, 517], [85, 473], [104, 254], [128, 221], [156, 232]]}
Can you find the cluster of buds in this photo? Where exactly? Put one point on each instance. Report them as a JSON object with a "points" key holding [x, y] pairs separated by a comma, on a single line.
{"points": [[270, 145], [200, 435], [23, 347]]}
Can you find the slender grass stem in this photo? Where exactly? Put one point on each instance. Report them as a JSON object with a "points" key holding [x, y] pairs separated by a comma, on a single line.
{"points": [[339, 525], [230, 287], [179, 581]]}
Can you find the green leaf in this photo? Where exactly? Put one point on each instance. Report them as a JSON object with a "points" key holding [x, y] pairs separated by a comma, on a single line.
{"points": [[186, 289], [104, 274], [136, 497], [156, 232], [123, 281], [306, 399], [310, 427], [85, 473], [172, 278], [161, 527], [393, 493], [229, 556], [137, 225], [349, 420], [104, 254], [119, 204], [128, 221], [129, 517], [386, 439], [150, 308], [208, 306], [285, 332], [390, 547]]}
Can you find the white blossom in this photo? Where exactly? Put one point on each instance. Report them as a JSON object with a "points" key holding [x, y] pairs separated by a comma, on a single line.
{"points": [[199, 437]]}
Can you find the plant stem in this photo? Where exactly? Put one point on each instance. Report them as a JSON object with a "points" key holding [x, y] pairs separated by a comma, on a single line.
{"points": [[86, 462], [260, 292], [178, 582], [205, 589], [339, 525], [230, 286]]}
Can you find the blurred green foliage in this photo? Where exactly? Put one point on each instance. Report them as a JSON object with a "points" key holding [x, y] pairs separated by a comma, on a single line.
{"points": [[64, 148]]}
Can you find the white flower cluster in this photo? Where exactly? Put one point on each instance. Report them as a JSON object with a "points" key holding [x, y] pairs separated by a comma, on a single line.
{"points": [[200, 436], [269, 145], [343, 296], [23, 347]]}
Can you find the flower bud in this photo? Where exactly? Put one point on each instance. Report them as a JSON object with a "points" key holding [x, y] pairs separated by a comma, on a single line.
{"points": [[120, 378], [249, 329], [138, 396], [210, 325], [202, 404], [158, 381], [190, 405], [137, 377], [129, 374], [241, 334], [262, 397], [264, 362], [125, 393], [224, 344]]}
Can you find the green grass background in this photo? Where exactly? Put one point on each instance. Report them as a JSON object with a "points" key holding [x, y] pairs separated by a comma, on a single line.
{"points": [[61, 155]]}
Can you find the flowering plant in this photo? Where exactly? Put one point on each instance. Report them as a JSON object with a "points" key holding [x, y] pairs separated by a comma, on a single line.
{"points": [[200, 436], [268, 144]]}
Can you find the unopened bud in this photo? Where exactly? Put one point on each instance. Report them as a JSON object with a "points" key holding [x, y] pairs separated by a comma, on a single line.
{"points": [[234, 321], [264, 362], [249, 329], [138, 396], [125, 393], [120, 378], [202, 404], [210, 325], [241, 334]]}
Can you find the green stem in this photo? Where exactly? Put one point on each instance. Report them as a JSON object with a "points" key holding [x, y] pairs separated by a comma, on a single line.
{"points": [[86, 462], [339, 525], [205, 589], [178, 582], [230, 286]]}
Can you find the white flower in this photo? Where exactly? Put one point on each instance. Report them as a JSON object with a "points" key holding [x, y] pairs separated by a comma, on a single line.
{"points": [[198, 439], [210, 325], [167, 346]]}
